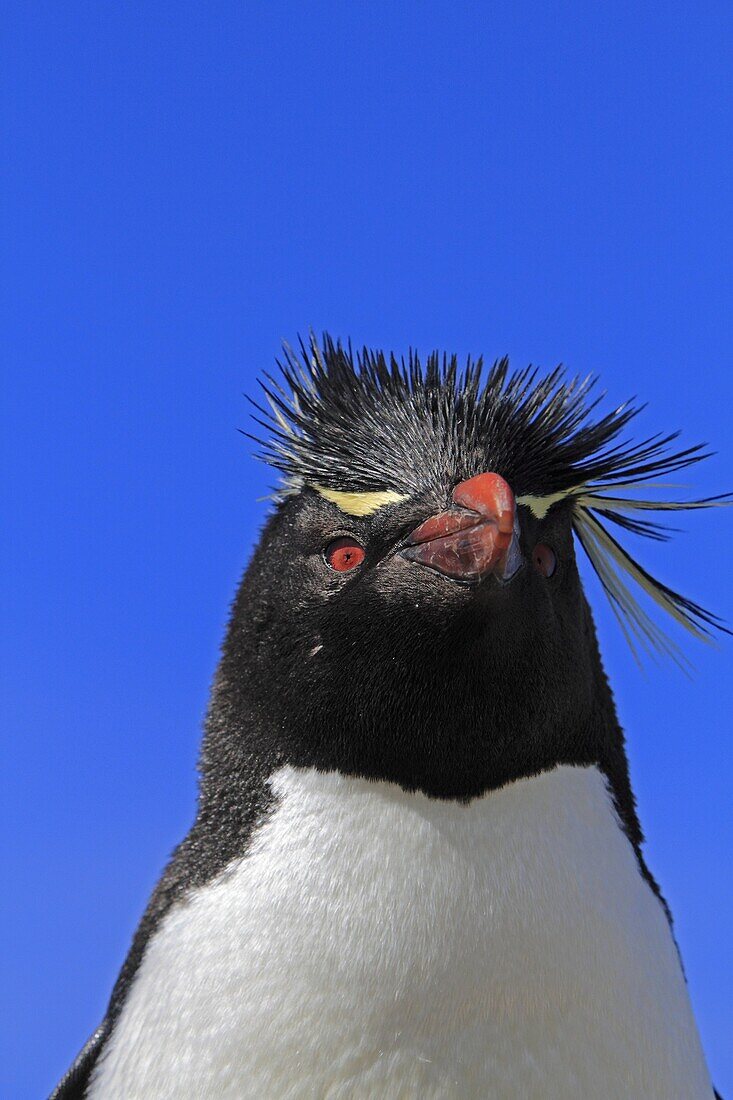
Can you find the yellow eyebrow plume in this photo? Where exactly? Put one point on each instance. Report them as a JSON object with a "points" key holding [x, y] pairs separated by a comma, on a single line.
{"points": [[540, 506], [360, 504]]}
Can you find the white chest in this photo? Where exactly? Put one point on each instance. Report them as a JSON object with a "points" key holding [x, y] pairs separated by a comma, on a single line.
{"points": [[380, 944]]}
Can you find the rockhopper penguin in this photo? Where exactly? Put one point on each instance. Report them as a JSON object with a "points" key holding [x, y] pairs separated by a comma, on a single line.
{"points": [[416, 870]]}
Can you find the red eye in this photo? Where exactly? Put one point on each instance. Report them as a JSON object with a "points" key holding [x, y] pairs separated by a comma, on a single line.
{"points": [[344, 554], [544, 560]]}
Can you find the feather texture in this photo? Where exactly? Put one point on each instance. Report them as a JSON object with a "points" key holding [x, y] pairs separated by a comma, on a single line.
{"points": [[366, 422]]}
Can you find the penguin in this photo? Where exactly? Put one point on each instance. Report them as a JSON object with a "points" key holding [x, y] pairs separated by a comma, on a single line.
{"points": [[416, 867]]}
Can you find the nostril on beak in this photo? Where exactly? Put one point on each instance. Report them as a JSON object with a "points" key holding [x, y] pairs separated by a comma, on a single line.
{"points": [[491, 496]]}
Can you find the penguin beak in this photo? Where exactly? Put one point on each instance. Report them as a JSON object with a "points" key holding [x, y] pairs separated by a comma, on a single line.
{"points": [[477, 537]]}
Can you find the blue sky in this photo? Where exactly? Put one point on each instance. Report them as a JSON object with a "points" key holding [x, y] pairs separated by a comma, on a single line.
{"points": [[189, 184]]}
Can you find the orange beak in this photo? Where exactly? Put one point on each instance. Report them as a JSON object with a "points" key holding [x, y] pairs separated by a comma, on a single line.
{"points": [[474, 539]]}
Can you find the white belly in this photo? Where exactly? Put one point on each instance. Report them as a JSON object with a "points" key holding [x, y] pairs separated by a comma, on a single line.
{"points": [[380, 944]]}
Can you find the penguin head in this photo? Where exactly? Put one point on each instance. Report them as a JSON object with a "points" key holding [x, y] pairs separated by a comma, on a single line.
{"points": [[414, 610]]}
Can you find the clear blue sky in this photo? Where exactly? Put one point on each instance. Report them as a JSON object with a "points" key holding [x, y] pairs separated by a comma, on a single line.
{"points": [[184, 186]]}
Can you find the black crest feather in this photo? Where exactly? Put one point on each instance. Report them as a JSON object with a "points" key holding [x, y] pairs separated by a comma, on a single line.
{"points": [[369, 422]]}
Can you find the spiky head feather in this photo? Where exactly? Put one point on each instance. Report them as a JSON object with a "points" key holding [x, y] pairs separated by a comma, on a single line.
{"points": [[368, 423]]}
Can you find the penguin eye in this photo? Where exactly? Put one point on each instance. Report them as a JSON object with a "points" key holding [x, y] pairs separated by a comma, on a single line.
{"points": [[344, 554], [544, 559]]}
